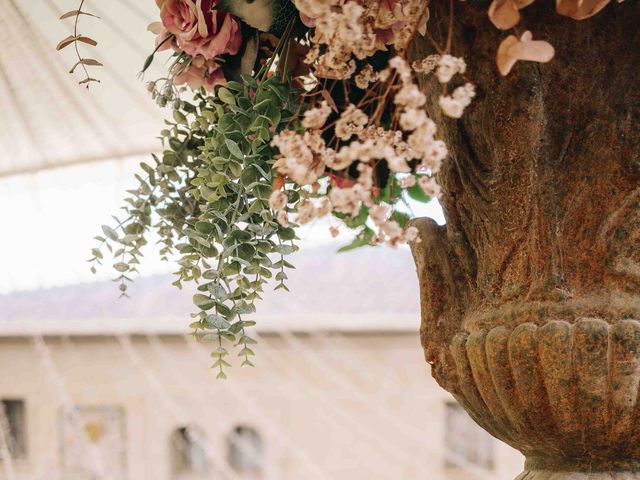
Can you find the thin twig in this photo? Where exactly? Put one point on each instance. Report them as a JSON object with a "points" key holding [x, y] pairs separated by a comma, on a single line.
{"points": [[75, 44], [450, 33]]}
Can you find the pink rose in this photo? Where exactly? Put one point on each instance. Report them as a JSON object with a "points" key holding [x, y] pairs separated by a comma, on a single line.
{"points": [[200, 29], [200, 72], [307, 20]]}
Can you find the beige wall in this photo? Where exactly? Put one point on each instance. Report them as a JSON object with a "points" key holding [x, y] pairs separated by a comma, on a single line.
{"points": [[356, 406]]}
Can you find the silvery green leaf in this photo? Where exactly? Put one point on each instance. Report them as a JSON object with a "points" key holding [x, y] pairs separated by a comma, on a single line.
{"points": [[203, 301], [247, 340], [244, 308], [284, 249], [204, 227], [226, 96], [218, 363], [236, 327], [234, 149], [179, 117], [216, 321], [121, 267], [109, 232]]}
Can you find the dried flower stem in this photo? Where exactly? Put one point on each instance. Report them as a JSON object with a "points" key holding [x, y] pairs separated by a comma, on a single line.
{"points": [[75, 38], [75, 44], [450, 32]]}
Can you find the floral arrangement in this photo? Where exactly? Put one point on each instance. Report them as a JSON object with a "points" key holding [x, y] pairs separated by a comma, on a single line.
{"points": [[284, 113]]}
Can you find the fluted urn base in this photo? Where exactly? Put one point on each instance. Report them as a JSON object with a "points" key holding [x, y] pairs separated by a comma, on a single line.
{"points": [[551, 475], [565, 395]]}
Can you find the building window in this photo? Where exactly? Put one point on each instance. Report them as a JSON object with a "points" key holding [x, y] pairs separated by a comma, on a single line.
{"points": [[188, 453], [245, 450], [13, 424], [93, 442], [466, 444]]}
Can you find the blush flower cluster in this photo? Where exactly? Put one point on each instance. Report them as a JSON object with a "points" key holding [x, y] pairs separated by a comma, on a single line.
{"points": [[362, 155], [505, 15], [356, 29], [196, 30], [336, 157]]}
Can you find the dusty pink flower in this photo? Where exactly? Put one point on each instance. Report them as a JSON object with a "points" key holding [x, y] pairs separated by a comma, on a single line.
{"points": [[505, 14], [580, 9], [278, 200], [199, 28], [512, 49], [199, 73], [307, 20]]}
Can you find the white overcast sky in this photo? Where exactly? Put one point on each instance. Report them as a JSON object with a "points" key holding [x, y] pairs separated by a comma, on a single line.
{"points": [[48, 221]]}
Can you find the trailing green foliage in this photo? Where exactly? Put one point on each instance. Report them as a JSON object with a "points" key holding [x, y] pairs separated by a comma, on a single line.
{"points": [[207, 198]]}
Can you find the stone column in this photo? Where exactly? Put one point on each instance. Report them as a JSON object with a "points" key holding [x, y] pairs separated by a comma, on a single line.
{"points": [[531, 292]]}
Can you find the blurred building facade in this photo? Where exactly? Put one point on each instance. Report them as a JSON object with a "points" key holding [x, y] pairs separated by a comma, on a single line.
{"points": [[331, 405], [97, 388]]}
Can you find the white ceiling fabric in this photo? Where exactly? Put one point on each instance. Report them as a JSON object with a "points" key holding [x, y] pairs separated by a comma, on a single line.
{"points": [[46, 119]]}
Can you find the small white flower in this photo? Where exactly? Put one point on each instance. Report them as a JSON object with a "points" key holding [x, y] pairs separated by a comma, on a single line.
{"points": [[316, 117], [378, 214], [324, 208], [450, 106], [407, 182], [351, 122], [283, 218], [401, 66], [426, 65], [430, 187], [453, 106], [413, 118], [398, 163], [410, 96], [448, 66], [365, 77], [278, 200], [305, 211]]}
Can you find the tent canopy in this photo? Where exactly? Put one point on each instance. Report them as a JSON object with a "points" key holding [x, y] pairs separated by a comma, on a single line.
{"points": [[48, 120]]}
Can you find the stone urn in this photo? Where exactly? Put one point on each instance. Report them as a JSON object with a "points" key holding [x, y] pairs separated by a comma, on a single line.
{"points": [[530, 293]]}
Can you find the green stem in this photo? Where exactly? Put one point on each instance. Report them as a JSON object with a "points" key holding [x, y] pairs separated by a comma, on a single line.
{"points": [[281, 42], [149, 60]]}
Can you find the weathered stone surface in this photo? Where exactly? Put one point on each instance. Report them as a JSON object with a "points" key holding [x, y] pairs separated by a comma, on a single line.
{"points": [[542, 187], [547, 475], [563, 394], [530, 290]]}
